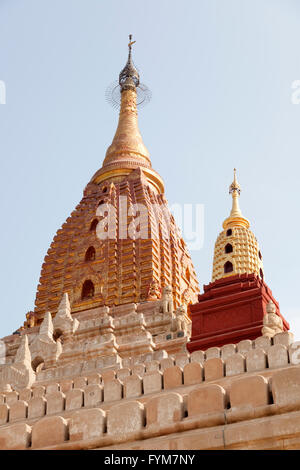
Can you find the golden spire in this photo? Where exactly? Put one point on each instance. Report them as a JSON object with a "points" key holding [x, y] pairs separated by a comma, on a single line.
{"points": [[128, 140], [236, 218], [127, 150], [236, 249]]}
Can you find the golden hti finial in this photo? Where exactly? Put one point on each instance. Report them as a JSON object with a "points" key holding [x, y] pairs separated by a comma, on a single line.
{"points": [[235, 191], [235, 185], [127, 151], [236, 217], [130, 42], [129, 76]]}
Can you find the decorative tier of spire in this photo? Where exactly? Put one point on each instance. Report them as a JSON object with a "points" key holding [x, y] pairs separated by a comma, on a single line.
{"points": [[236, 218], [127, 151], [236, 248], [129, 77]]}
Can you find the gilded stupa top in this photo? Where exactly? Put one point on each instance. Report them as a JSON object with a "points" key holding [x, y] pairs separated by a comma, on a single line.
{"points": [[127, 151], [129, 76], [236, 218], [234, 185]]}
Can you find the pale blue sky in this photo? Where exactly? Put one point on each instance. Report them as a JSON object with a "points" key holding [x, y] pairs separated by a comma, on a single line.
{"points": [[220, 72]]}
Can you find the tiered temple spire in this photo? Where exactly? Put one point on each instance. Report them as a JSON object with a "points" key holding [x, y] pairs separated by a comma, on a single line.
{"points": [[127, 150], [136, 253]]}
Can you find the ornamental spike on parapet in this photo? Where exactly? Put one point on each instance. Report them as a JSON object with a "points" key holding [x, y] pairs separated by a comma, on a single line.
{"points": [[63, 319], [46, 329], [23, 355], [64, 308]]}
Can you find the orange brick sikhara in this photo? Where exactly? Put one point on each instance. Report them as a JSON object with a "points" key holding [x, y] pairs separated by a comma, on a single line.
{"points": [[133, 259]]}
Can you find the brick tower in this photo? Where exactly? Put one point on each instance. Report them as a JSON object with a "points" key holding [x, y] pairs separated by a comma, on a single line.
{"points": [[141, 249]]}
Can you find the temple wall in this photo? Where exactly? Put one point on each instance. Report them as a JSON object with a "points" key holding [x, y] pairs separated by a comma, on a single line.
{"points": [[239, 396], [252, 411]]}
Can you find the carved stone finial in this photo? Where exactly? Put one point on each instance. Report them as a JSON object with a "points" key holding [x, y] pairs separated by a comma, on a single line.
{"points": [[43, 346], [63, 320], [23, 355], [166, 305], [19, 374], [272, 323], [46, 329], [64, 308], [181, 321]]}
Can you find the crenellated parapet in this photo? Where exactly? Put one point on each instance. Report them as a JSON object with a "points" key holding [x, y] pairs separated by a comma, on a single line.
{"points": [[165, 396]]}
